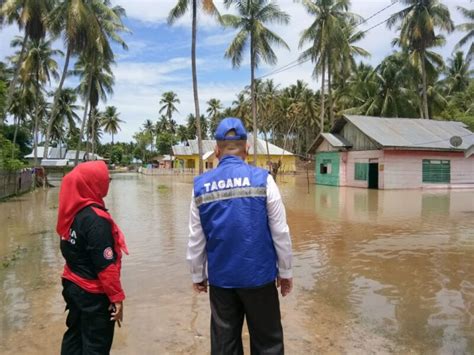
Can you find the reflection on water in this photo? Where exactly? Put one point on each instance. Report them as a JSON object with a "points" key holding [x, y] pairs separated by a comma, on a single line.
{"points": [[376, 271]]}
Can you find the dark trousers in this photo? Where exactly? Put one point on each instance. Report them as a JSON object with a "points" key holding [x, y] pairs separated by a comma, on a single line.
{"points": [[261, 308], [90, 330]]}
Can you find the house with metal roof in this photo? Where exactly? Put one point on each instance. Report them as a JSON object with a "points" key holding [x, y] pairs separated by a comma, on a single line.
{"points": [[394, 153], [187, 156]]}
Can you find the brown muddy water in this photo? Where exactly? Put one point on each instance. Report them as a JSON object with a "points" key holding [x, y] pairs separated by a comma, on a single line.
{"points": [[375, 271]]}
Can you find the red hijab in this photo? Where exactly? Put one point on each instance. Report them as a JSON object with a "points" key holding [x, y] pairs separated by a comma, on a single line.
{"points": [[87, 184]]}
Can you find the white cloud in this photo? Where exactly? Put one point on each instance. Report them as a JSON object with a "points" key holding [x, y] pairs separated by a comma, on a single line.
{"points": [[154, 12]]}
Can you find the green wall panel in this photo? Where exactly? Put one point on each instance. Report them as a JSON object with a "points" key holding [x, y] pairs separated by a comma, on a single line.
{"points": [[328, 168]]}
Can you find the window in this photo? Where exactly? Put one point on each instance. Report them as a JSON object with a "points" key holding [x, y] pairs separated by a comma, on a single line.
{"points": [[436, 171], [325, 167], [361, 171]]}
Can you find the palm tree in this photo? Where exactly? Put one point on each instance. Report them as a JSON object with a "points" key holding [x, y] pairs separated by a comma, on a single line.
{"points": [[343, 56], [241, 108], [182, 133], [169, 100], [149, 129], [66, 118], [389, 90], [96, 82], [20, 107], [417, 33], [35, 71], [458, 73], [252, 17], [178, 11], [87, 27], [192, 126], [214, 107], [325, 34], [30, 16], [469, 28], [94, 130], [111, 121]]}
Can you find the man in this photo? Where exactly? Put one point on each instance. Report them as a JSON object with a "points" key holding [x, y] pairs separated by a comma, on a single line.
{"points": [[238, 228]]}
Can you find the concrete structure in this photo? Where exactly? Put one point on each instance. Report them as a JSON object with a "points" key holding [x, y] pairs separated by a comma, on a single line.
{"points": [[187, 157], [394, 153]]}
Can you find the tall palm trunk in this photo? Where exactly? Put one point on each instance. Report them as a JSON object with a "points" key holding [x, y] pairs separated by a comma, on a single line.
{"points": [[112, 139], [35, 130], [55, 103], [195, 87], [254, 99], [11, 89], [88, 131], [16, 122], [93, 118], [322, 98], [331, 113], [426, 113], [35, 134], [84, 119]]}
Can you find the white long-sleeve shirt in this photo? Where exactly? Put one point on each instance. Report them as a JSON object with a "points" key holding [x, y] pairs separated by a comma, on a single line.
{"points": [[196, 253]]}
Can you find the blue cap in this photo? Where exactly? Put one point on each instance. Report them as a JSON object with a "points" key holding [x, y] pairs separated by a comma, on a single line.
{"points": [[228, 124]]}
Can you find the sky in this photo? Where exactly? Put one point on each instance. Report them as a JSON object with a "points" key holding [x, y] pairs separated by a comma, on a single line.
{"points": [[159, 56]]}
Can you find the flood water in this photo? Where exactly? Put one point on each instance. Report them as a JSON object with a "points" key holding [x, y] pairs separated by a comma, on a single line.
{"points": [[375, 271]]}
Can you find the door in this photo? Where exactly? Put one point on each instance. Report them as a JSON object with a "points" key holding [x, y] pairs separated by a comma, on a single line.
{"points": [[373, 175]]}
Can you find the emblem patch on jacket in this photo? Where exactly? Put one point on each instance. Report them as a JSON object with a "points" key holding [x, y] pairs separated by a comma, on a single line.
{"points": [[108, 253]]}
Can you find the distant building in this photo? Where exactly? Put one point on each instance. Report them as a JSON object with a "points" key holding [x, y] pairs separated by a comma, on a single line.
{"points": [[163, 161], [83, 156], [187, 156], [394, 153], [57, 153]]}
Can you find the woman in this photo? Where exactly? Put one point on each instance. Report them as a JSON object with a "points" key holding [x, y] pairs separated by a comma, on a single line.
{"points": [[92, 245]]}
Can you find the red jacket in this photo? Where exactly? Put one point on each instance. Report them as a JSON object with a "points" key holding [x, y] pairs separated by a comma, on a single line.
{"points": [[91, 242]]}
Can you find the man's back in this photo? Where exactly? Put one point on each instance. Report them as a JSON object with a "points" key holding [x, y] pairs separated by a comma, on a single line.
{"points": [[232, 206]]}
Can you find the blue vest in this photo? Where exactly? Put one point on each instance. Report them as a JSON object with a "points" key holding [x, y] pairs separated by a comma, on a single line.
{"points": [[232, 205]]}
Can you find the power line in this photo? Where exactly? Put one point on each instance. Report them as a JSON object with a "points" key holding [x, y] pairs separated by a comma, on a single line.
{"points": [[298, 62], [378, 12]]}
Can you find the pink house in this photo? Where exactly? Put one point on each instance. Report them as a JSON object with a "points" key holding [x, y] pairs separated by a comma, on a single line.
{"points": [[395, 153]]}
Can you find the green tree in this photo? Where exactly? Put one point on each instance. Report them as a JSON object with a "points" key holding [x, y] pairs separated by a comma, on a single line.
{"points": [[165, 142], [182, 133], [149, 129], [3, 92], [214, 107], [30, 16], [64, 124], [418, 22], [20, 107], [250, 21], [96, 82], [191, 125], [168, 101], [469, 28], [177, 12], [458, 73], [36, 70], [6, 161], [324, 34], [87, 27], [111, 121]]}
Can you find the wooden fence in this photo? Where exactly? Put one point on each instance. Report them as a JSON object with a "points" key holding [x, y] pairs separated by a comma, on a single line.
{"points": [[17, 182]]}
